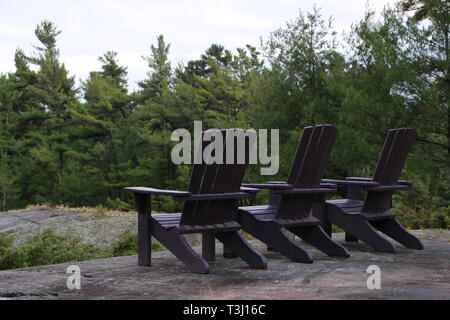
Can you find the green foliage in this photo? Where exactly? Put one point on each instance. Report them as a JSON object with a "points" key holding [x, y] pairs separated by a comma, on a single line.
{"points": [[127, 245], [80, 146], [426, 219], [49, 247]]}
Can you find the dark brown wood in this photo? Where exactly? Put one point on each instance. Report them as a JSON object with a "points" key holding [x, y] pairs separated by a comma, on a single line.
{"points": [[395, 230], [208, 246], [143, 190], [307, 170], [228, 253], [358, 226], [178, 245], [270, 186], [272, 235], [361, 218], [235, 242], [210, 207], [389, 166], [217, 196], [318, 211], [143, 205], [354, 192], [317, 237], [291, 203], [307, 191]]}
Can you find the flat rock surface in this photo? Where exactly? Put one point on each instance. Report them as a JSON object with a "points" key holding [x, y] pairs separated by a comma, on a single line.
{"points": [[91, 227], [407, 274]]}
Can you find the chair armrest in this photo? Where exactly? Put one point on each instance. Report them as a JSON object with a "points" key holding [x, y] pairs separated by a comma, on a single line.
{"points": [[215, 196], [405, 182], [390, 188], [307, 191], [270, 186], [358, 179], [145, 190], [249, 190], [328, 185], [400, 182], [359, 183]]}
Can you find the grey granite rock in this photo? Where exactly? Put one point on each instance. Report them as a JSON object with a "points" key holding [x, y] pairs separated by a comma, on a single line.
{"points": [[93, 229], [408, 274]]}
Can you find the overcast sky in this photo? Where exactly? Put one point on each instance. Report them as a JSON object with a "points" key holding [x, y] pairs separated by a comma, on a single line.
{"points": [[92, 27]]}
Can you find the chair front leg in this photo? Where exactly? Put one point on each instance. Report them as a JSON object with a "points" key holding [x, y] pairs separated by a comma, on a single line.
{"points": [[353, 193], [144, 208]]}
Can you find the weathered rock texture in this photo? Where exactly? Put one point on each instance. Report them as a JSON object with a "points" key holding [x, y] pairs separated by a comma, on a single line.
{"points": [[93, 228], [406, 275]]}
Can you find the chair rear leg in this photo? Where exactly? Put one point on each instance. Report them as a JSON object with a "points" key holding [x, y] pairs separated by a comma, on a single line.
{"points": [[234, 241], [178, 245], [350, 238], [228, 253], [270, 233], [317, 237], [396, 231], [208, 246], [359, 227]]}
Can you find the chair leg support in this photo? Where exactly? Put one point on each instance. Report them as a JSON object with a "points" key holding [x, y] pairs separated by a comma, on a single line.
{"points": [[178, 245], [350, 238], [208, 246], [228, 253], [359, 227], [143, 206], [317, 237], [236, 242], [396, 231], [271, 234]]}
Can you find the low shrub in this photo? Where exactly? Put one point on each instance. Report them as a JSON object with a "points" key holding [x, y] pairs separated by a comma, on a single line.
{"points": [[424, 219], [48, 247]]}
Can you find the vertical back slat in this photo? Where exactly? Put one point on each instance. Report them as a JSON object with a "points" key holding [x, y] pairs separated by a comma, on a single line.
{"points": [[384, 155], [195, 183], [307, 170], [392, 160], [299, 155], [215, 178], [304, 174]]}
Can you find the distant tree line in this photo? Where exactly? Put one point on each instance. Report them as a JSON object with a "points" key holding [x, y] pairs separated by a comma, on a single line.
{"points": [[79, 146]]}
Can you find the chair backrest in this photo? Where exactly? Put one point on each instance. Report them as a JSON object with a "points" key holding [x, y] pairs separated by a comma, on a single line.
{"points": [[218, 178], [391, 161], [307, 169]]}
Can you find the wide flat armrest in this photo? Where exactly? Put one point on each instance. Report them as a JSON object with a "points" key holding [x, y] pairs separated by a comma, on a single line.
{"points": [[361, 183], [145, 190], [390, 188], [405, 182], [249, 190], [216, 196], [358, 179], [307, 191], [400, 182], [328, 185], [271, 186]]}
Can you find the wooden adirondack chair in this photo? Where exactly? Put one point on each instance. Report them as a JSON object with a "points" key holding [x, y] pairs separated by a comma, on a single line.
{"points": [[292, 202], [210, 208], [362, 218]]}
